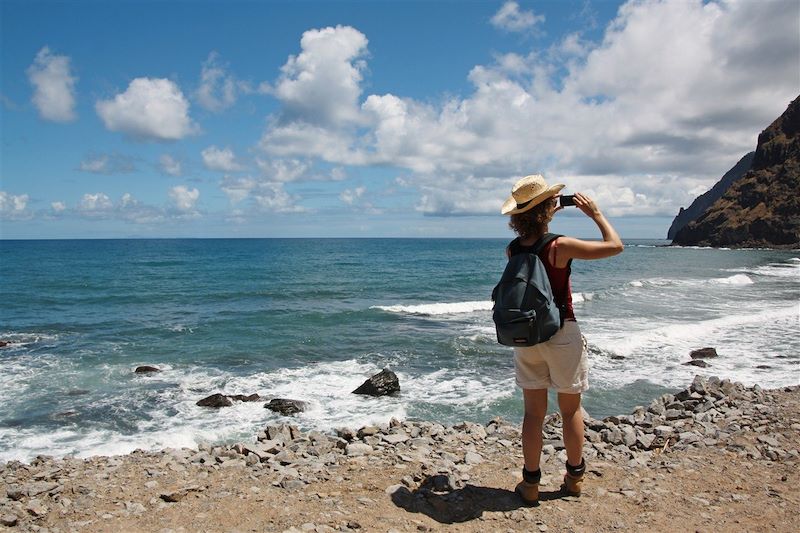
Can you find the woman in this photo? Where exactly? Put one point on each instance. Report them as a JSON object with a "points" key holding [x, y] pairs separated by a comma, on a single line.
{"points": [[559, 363]]}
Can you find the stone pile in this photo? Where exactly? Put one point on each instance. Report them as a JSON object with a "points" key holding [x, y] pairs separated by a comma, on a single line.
{"points": [[710, 413]]}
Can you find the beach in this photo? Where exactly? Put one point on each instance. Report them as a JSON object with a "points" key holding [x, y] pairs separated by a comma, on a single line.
{"points": [[717, 455]]}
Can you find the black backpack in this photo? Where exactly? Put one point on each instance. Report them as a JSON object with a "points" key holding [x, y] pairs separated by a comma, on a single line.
{"points": [[525, 312]]}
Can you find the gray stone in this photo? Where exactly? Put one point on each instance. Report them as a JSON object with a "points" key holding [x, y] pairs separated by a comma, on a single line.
{"points": [[368, 431], [645, 440], [215, 400], [356, 449], [178, 495], [628, 436], [473, 458], [286, 406], [395, 438], [292, 484], [703, 353], [698, 363], [8, 520], [36, 508], [146, 369], [664, 431], [381, 384], [771, 441]]}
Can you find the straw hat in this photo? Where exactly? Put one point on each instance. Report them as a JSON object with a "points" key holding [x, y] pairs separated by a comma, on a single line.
{"points": [[529, 192]]}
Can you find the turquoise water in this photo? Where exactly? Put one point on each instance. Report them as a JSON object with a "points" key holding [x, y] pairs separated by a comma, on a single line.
{"points": [[311, 319]]}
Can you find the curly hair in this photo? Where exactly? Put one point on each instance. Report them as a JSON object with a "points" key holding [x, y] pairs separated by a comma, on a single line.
{"points": [[533, 222]]}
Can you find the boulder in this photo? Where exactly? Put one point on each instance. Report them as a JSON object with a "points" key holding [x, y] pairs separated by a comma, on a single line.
{"points": [[243, 398], [3, 344], [697, 362], [704, 353], [285, 406], [216, 401], [383, 383], [146, 369]]}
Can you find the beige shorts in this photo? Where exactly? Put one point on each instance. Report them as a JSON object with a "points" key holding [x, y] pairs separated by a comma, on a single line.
{"points": [[560, 363]]}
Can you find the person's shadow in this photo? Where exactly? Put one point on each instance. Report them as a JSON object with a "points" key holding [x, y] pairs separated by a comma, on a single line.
{"points": [[437, 499]]}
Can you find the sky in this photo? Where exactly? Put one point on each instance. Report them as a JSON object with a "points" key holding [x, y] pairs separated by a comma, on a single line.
{"points": [[376, 119]]}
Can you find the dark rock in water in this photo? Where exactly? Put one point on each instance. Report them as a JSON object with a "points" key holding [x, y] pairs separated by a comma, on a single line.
{"points": [[285, 406], [3, 344], [243, 398], [697, 362], [703, 353], [763, 367], [618, 357], [146, 369], [383, 383], [215, 400]]}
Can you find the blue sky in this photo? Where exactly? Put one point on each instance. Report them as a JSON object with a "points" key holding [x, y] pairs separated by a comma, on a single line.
{"points": [[384, 118]]}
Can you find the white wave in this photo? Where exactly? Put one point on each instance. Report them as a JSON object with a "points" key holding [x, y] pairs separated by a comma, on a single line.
{"points": [[636, 283], [580, 297], [736, 279], [657, 354], [437, 308], [14, 338]]}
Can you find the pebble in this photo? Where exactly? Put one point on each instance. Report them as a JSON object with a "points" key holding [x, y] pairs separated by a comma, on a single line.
{"points": [[711, 412]]}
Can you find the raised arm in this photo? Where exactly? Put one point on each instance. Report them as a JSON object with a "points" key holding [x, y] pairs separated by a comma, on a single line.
{"points": [[572, 248]]}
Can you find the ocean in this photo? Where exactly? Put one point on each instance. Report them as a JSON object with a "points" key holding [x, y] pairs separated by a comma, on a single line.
{"points": [[311, 319]]}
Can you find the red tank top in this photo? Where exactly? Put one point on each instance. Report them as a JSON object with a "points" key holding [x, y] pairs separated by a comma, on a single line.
{"points": [[559, 277]]}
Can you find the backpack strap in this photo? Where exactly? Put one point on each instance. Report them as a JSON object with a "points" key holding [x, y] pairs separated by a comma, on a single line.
{"points": [[543, 241], [540, 245]]}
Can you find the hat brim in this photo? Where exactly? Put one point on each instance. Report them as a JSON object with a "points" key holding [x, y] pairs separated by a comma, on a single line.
{"points": [[510, 205]]}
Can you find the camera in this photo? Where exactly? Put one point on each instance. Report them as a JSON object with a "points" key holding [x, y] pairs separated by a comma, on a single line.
{"points": [[566, 200]]}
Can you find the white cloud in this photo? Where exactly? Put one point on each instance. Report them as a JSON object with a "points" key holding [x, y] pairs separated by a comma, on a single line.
{"points": [[218, 90], [54, 86], [267, 195], [97, 203], [283, 170], [169, 165], [321, 85], [150, 109], [58, 207], [184, 198], [349, 196], [511, 18], [13, 207], [222, 159], [670, 98], [107, 164]]}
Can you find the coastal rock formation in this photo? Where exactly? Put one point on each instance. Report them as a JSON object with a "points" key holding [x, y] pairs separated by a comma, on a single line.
{"points": [[704, 353], [716, 448], [285, 406], [762, 208], [707, 199], [222, 400], [215, 400], [146, 369], [383, 383]]}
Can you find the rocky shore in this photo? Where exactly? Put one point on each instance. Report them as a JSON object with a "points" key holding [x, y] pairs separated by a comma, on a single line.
{"points": [[715, 456]]}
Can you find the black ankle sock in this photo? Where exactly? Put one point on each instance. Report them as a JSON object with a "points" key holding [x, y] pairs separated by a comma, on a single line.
{"points": [[531, 477], [576, 471]]}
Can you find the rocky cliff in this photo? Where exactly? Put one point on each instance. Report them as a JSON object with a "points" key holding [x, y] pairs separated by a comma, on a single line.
{"points": [[706, 200], [762, 208]]}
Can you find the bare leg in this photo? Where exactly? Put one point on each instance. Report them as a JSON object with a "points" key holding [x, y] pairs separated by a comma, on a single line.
{"points": [[570, 405], [535, 410]]}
